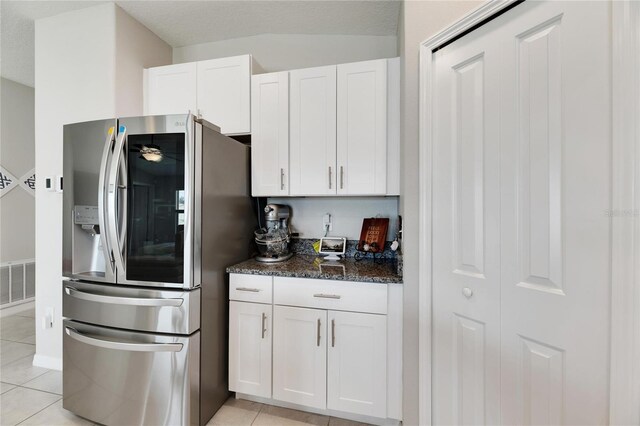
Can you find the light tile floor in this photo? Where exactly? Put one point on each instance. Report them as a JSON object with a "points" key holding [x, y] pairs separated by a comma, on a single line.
{"points": [[33, 396]]}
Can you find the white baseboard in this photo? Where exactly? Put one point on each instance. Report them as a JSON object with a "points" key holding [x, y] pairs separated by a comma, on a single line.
{"points": [[52, 363], [16, 309], [332, 413]]}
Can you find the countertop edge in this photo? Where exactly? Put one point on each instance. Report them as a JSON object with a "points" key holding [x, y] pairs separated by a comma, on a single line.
{"points": [[235, 269]]}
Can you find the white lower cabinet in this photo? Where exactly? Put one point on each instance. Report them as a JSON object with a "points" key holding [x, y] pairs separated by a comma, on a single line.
{"points": [[250, 337], [315, 351], [357, 363], [300, 356]]}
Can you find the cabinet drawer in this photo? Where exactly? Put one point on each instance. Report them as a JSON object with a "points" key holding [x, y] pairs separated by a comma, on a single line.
{"points": [[333, 295], [250, 288]]}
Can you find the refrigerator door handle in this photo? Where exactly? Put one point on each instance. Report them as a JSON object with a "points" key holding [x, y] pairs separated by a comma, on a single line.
{"points": [[102, 210], [123, 346], [115, 169], [120, 300]]}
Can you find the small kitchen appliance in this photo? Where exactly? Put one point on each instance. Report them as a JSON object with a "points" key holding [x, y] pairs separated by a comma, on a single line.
{"points": [[273, 240]]}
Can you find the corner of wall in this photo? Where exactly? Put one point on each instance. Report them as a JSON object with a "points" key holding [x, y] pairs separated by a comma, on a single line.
{"points": [[137, 48]]}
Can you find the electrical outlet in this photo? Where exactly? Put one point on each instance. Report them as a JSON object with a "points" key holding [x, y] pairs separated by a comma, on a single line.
{"points": [[327, 225], [47, 319]]}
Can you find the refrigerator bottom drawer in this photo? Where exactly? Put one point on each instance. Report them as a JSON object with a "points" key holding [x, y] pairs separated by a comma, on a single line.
{"points": [[116, 377], [142, 309]]}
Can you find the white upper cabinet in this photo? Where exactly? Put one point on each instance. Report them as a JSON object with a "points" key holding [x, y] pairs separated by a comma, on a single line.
{"points": [[270, 134], [218, 89], [313, 131], [224, 93], [344, 131], [170, 89], [362, 128]]}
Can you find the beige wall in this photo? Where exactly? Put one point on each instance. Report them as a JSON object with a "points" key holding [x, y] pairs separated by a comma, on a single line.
{"points": [[419, 20], [17, 207], [280, 52]]}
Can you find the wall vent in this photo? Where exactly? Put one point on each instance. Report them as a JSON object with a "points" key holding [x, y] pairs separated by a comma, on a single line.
{"points": [[17, 282]]}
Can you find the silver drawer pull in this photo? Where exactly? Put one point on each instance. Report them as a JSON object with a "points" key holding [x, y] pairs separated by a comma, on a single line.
{"points": [[318, 335], [264, 324], [123, 346], [327, 296], [252, 290], [333, 333], [119, 300]]}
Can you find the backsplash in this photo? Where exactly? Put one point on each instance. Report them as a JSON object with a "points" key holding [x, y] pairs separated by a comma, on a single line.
{"points": [[305, 246], [347, 214]]}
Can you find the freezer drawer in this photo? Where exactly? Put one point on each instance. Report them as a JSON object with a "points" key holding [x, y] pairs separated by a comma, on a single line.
{"points": [[117, 377], [157, 311]]}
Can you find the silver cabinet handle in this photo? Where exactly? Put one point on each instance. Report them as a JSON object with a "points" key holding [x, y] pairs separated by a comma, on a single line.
{"points": [[318, 338], [327, 296], [119, 300], [333, 333], [252, 290], [341, 177], [330, 177], [281, 179], [264, 324], [123, 346]]}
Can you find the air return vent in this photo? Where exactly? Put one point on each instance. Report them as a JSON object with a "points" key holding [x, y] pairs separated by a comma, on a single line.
{"points": [[17, 282]]}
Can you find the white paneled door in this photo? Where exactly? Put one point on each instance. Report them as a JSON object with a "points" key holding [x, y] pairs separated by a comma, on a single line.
{"points": [[362, 128], [300, 356], [521, 187], [357, 363], [224, 93], [250, 337], [270, 134], [171, 89], [312, 134], [466, 233]]}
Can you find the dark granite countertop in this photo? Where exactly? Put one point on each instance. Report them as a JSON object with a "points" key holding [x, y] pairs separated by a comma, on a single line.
{"points": [[308, 266]]}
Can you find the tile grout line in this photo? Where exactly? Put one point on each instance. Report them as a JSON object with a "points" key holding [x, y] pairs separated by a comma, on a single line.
{"points": [[39, 390], [17, 341], [24, 420], [258, 413]]}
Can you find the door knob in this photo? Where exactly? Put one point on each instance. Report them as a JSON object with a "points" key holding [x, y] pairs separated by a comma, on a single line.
{"points": [[467, 292]]}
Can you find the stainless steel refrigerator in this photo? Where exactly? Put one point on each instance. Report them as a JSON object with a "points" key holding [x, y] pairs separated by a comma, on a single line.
{"points": [[155, 209]]}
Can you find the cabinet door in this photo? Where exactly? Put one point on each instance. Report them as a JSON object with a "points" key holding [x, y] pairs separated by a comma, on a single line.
{"points": [[313, 131], [171, 89], [250, 339], [300, 356], [362, 128], [357, 363], [224, 93], [270, 134]]}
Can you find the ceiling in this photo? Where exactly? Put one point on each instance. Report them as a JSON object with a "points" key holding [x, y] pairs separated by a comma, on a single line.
{"points": [[182, 23]]}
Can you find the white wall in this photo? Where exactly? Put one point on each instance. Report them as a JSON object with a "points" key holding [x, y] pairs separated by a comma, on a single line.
{"points": [[17, 144], [346, 214], [279, 52], [419, 20], [77, 79]]}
